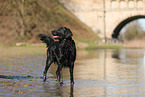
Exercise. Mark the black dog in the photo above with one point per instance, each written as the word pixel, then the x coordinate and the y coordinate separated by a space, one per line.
pixel 63 52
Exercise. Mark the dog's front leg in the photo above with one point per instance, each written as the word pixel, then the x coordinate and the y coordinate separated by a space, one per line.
pixel 59 74
pixel 48 63
pixel 71 73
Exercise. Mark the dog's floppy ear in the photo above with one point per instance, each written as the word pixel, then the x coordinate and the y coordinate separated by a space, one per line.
pixel 68 33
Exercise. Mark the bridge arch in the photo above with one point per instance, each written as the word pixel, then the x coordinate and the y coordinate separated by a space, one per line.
pixel 118 28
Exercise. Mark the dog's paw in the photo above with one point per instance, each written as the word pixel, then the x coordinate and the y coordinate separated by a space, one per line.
pixel 44 78
pixel 61 83
pixel 72 83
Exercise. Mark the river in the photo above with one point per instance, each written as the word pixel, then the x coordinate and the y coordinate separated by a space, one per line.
pixel 97 73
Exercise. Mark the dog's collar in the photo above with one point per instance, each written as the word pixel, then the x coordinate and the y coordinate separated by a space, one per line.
pixel 69 44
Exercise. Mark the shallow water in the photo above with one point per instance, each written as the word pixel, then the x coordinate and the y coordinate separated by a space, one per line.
pixel 97 73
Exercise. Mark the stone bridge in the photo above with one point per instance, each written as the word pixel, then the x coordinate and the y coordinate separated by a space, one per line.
pixel 106 17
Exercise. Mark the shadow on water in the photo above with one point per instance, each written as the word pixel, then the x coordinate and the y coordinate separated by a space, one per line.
pixel 23 77
pixel 16 77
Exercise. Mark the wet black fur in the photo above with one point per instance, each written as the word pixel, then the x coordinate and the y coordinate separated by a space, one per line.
pixel 62 52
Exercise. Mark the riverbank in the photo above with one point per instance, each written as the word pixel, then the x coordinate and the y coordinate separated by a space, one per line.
pixel 135 44
pixel 43 19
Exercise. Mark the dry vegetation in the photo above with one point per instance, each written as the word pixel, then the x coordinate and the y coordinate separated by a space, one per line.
pixel 135 44
pixel 134 35
pixel 22 20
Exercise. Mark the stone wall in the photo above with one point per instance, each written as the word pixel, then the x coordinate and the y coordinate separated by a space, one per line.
pixel 91 12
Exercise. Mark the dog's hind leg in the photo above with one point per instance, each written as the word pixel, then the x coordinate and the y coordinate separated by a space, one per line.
pixel 48 63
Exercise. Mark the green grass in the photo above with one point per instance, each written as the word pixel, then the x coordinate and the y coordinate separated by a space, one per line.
pixel 1 45
pixel 92 45
pixel 17 51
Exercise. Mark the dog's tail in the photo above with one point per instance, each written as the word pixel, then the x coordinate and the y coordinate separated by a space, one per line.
pixel 46 39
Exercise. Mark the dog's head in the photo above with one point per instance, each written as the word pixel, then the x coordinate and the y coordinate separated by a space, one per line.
pixel 62 33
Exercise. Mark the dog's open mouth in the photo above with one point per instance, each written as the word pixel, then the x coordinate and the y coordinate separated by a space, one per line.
pixel 56 37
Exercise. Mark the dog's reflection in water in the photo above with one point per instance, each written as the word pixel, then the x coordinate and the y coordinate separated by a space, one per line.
pixel 55 90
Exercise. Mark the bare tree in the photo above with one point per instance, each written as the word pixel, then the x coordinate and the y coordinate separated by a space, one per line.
pixel 24 16
pixel 4 5
pixel 133 31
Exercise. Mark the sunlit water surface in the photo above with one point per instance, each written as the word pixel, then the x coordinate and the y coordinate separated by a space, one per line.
pixel 97 73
